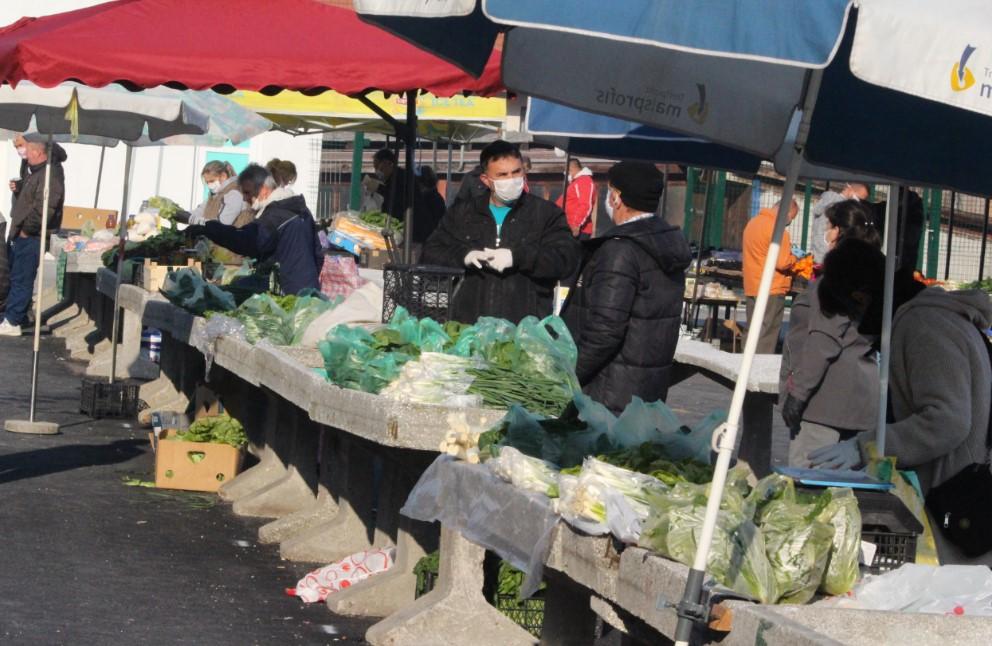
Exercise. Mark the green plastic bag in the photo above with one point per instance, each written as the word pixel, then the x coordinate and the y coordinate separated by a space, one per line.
pixel 187 289
pixel 798 547
pixel 844 516
pixel 352 360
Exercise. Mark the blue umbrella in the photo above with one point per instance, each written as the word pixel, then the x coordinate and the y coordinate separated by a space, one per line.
pixel 584 133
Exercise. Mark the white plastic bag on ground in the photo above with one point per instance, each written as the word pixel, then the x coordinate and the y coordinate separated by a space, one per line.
pixel 944 590
pixel 321 583
pixel 364 305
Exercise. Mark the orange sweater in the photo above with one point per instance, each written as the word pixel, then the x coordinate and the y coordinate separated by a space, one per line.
pixel 757 239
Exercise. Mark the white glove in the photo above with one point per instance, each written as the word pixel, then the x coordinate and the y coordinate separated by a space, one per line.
pixel 499 259
pixel 841 456
pixel 476 258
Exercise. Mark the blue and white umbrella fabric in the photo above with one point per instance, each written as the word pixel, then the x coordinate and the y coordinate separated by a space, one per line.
pixel 587 134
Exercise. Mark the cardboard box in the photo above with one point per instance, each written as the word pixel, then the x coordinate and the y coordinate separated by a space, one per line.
pixel 76 217
pixel 193 466
pixel 346 242
pixel 153 274
pixel 376 259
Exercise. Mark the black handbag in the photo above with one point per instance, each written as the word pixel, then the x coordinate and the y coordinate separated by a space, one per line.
pixel 960 506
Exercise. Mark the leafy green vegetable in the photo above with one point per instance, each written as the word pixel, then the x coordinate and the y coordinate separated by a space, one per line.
pixel 220 429
pixel 378 219
pixel 165 243
pixel 166 207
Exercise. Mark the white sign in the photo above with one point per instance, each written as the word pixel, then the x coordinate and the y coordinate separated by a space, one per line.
pixel 415 8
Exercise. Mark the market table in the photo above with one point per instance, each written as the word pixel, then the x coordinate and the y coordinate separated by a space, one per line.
pixel 711 329
pixel 755 442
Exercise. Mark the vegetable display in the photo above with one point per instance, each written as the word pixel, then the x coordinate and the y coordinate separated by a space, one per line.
pixel 167 242
pixel 378 219
pixel 281 319
pixel 219 429
pixel 166 208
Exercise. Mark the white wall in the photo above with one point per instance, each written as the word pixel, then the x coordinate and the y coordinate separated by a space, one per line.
pixel 181 165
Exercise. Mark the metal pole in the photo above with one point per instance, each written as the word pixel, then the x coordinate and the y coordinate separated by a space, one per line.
pixel 950 236
pixel 122 232
pixel 690 609
pixel 411 188
pixel 891 239
pixel 355 203
pixel 447 182
pixel 664 193
pixel 99 177
pixel 985 240
pixel 691 320
pixel 41 281
pixel 158 174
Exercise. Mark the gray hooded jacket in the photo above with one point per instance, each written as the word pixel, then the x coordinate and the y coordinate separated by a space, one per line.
pixel 940 384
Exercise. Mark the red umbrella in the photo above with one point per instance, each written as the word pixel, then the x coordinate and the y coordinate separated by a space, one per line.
pixel 260 45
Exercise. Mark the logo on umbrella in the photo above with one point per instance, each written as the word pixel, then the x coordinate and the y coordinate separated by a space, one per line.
pixel 961 75
pixel 701 109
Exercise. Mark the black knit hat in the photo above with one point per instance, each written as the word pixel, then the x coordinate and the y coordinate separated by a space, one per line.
pixel 640 184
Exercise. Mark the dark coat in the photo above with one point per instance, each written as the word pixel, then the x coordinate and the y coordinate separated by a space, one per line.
pixel 625 310
pixel 429 209
pixel 285 234
pixel 26 213
pixel 543 248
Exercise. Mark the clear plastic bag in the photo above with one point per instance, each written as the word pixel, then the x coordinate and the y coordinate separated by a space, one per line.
pixel 798 548
pixel 524 472
pixel 435 378
pixel 844 516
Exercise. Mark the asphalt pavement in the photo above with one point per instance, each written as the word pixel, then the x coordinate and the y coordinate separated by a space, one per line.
pixel 85 559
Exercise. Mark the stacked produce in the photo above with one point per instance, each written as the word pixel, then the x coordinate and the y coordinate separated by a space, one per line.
pixel 281 319
pixel 772 542
pixel 165 243
pixel 350 229
pixel 493 362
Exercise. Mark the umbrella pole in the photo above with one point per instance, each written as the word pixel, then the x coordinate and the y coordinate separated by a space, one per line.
pixel 447 182
pixel 690 609
pixel 891 237
pixel 99 177
pixel 411 186
pixel 691 319
pixel 31 426
pixel 122 233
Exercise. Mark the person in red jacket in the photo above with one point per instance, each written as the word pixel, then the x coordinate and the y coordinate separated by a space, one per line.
pixel 579 199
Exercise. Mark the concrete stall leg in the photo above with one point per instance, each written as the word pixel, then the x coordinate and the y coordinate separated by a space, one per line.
pixel 755 442
pixel 164 393
pixel 351 528
pixel 390 591
pixel 297 441
pixel 130 363
pixel 455 612
pixel 258 414
pixel 568 618
pixel 323 508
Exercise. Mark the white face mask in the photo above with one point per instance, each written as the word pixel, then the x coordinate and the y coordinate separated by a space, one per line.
pixel 214 186
pixel 22 152
pixel 609 206
pixel 508 190
pixel 256 204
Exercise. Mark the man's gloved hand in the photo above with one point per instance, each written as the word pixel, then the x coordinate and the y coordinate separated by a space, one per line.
pixel 195 231
pixel 499 259
pixel 476 258
pixel 792 413
pixel 841 456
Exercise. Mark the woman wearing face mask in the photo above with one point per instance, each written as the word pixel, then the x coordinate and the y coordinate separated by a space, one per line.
pixel 225 202
pixel 829 378
pixel 514 246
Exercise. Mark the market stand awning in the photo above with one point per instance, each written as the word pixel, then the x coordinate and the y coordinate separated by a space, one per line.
pixel 457 118
pixel 259 45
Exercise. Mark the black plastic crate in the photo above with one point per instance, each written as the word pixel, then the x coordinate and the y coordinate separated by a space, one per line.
pixel 426 291
pixel 101 399
pixel 892 549
pixel 526 613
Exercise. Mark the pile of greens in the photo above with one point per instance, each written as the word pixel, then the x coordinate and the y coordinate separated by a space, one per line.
pixel 166 208
pixel 281 319
pixel 220 429
pixel 165 243
pixel 983 285
pixel 378 219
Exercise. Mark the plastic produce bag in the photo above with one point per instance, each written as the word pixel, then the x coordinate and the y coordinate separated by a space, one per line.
pixel 525 472
pixel 737 557
pixel 339 276
pixel 305 311
pixel 798 547
pixel 322 582
pixel 187 289
pixel 351 360
pixel 364 305
pixel 844 516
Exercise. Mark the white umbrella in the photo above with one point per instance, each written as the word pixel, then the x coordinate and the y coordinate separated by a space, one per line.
pixel 71 111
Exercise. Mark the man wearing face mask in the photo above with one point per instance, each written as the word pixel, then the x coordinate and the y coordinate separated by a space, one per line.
pixel 624 312
pixel 283 232
pixel 514 245
pixel 819 246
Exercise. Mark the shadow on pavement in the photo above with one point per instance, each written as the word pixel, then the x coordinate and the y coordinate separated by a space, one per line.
pixel 41 462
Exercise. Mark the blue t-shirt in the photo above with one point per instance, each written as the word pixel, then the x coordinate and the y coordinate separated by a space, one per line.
pixel 499 214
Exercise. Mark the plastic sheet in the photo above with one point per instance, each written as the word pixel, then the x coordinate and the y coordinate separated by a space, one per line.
pixel 487 511
pixel 364 305
pixel 216 327
pixel 322 582
pixel 959 590
pixel 524 472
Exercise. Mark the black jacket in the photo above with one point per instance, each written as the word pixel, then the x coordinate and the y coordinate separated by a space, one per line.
pixel 624 312
pixel 26 213
pixel 543 248
pixel 286 234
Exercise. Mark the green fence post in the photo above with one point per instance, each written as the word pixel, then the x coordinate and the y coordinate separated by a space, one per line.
pixel 716 209
pixel 871 192
pixel 355 202
pixel 807 198
pixel 690 202
pixel 933 242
